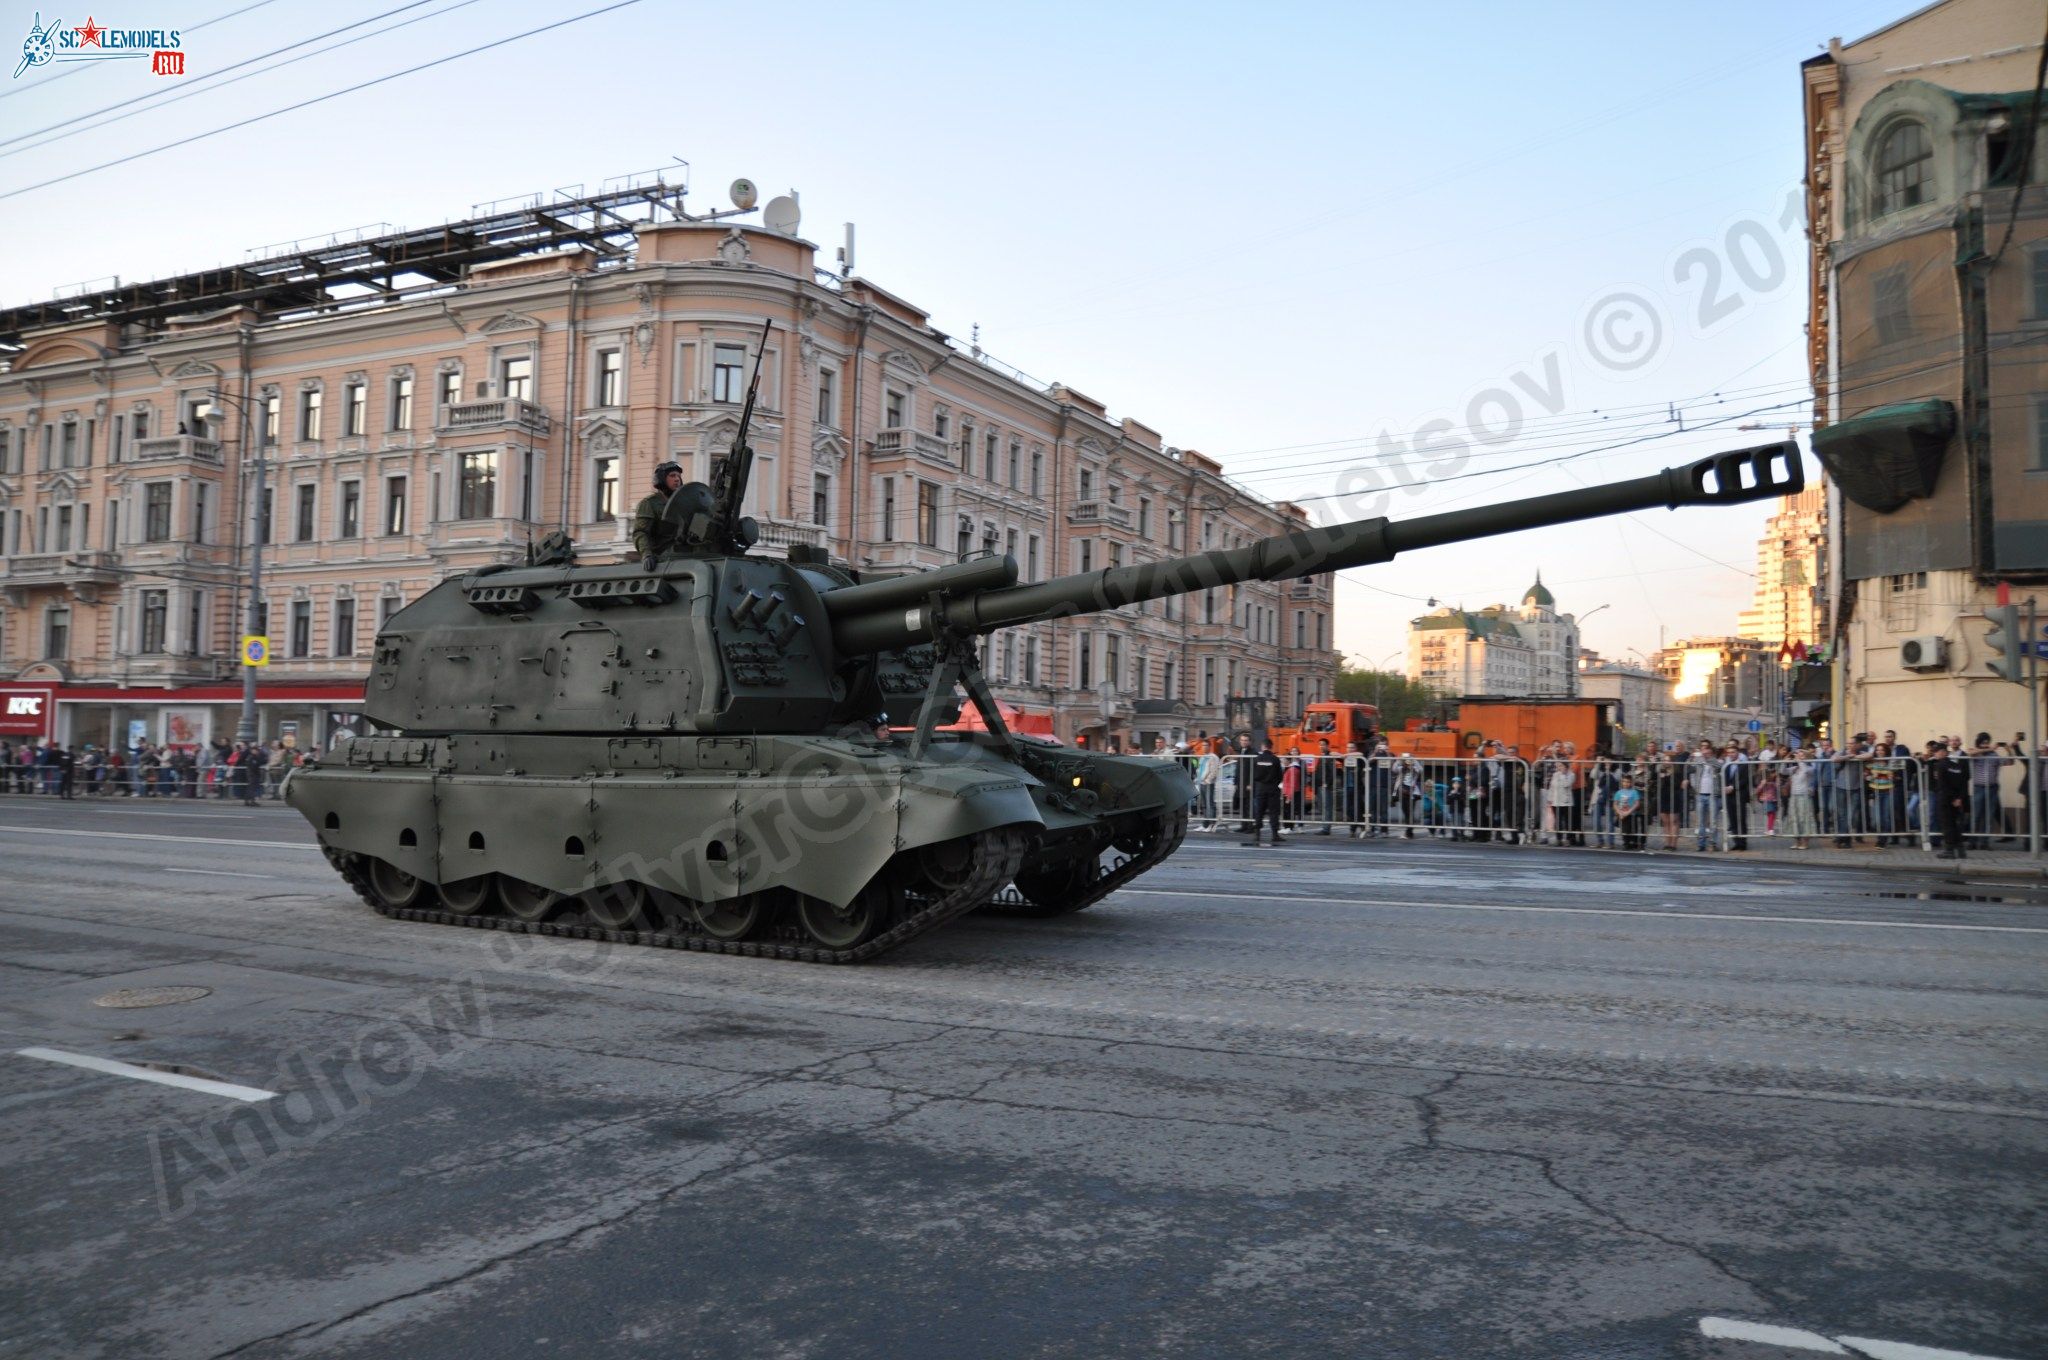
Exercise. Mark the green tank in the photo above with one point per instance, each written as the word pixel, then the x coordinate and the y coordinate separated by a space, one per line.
pixel 696 751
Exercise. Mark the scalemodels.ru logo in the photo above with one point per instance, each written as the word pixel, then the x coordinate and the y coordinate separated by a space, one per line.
pixel 162 47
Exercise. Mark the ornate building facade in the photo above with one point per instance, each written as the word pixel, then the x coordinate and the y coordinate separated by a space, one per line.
pixel 494 394
pixel 1529 650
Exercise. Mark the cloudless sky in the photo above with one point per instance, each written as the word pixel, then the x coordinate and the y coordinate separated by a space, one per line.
pixel 1290 236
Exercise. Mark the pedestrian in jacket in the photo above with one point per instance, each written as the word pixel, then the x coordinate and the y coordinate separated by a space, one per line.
pixel 1267 771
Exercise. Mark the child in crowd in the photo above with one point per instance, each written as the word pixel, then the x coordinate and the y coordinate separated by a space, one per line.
pixel 1767 791
pixel 1628 813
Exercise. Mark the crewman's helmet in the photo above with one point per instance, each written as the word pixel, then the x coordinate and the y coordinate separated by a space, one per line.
pixel 661 475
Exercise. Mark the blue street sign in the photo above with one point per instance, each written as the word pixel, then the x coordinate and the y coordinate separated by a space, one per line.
pixel 1756 724
pixel 2037 648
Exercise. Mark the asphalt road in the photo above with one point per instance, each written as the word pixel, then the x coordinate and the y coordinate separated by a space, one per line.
pixel 1405 1100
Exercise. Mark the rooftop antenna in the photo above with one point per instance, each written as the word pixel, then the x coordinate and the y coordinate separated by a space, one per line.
pixel 976 351
pixel 846 254
pixel 782 215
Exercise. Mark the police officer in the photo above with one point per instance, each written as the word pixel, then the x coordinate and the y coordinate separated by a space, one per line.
pixel 653 532
pixel 1948 784
pixel 1267 771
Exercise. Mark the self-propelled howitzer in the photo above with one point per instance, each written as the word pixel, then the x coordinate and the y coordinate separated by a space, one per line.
pixel 700 755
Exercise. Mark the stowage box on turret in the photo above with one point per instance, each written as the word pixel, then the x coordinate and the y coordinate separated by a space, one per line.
pixel 694 750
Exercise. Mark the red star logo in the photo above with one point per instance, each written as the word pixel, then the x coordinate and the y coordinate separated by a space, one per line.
pixel 89 36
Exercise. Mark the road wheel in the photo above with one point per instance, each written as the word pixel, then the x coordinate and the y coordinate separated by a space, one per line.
pixel 616 906
pixel 1054 891
pixel 853 924
pixel 393 886
pixel 525 901
pixel 468 897
pixel 733 919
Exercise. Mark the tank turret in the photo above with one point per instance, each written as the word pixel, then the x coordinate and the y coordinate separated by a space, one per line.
pixel 695 750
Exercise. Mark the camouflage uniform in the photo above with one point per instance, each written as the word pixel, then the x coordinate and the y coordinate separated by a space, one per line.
pixel 651 532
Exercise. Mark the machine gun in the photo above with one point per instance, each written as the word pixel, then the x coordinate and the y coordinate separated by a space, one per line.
pixel 718 526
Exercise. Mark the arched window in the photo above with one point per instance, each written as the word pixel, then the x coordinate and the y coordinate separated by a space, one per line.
pixel 1902 159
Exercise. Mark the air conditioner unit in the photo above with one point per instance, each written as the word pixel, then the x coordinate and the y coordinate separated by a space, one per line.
pixel 1924 654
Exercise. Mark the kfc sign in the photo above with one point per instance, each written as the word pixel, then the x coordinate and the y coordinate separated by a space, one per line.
pixel 25 711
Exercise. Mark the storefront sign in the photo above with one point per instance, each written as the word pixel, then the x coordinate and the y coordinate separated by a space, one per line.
pixel 26 710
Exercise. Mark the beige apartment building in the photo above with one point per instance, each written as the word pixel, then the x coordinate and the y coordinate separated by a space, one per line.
pixel 1791 564
pixel 1529 650
pixel 1927 196
pixel 430 402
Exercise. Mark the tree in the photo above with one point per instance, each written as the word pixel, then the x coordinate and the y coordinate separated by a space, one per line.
pixel 1398 698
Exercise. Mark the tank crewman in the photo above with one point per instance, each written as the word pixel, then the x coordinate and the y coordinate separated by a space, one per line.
pixel 653 532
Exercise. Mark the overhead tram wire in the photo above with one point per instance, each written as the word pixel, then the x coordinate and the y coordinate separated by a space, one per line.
pixel 317 99
pixel 46 81
pixel 162 98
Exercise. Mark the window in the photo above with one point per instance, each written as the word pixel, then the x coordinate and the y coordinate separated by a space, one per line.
pixel 515 378
pixel 1145 517
pixel 351 510
pixel 401 402
pixel 727 364
pixel 155 605
pixel 605 478
pixel 1084 661
pixel 821 499
pixel 1087 485
pixel 1300 628
pixel 888 509
pixel 892 409
pixel 611 374
pixel 477 496
pixel 302 518
pixel 386 607
pixel 302 628
pixel 272 419
pixel 828 399
pixel 942 425
pixel 1141 677
pixel 1902 162
pixel 928 514
pixel 1031 559
pixel 1087 551
pixel 344 627
pixel 355 410
pixel 156 512
pixel 44 461
pixel 1010 544
pixel 1016 457
pixel 63 528
pixel 1116 556
pixel 1320 621
pixel 202 511
pixel 1905 581
pixel 1112 660
pixel 1037 473
pixel 1031 661
pixel 57 633
pixel 69 445
pixel 1890 304
pixel 194 633
pixel 140 425
pixel 451 389
pixel 113 444
pixel 1168 681
pixel 394 506
pixel 309 413
pixel 991 446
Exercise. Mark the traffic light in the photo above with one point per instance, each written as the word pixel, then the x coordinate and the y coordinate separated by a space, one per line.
pixel 2006 643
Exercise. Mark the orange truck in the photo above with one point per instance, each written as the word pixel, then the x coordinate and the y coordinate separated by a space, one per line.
pixel 1527 724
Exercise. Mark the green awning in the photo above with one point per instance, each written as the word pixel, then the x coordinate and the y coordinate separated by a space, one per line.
pixel 1888 455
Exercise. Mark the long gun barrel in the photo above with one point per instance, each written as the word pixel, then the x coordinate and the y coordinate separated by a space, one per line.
pixel 907 615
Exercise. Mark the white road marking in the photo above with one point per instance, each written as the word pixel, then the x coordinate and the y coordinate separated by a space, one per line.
pixel 1585 911
pixel 218 873
pixel 150 836
pixel 1796 1338
pixel 121 1069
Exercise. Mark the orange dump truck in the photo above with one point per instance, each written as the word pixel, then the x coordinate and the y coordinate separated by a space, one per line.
pixel 1526 724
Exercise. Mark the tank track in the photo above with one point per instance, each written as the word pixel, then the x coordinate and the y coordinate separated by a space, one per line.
pixel 1173 828
pixel 998 855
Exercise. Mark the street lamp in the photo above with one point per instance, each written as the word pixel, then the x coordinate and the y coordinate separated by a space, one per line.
pixel 254 623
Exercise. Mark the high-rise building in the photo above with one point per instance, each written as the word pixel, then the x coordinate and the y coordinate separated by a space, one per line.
pixel 1927 198
pixel 431 401
pixel 1791 560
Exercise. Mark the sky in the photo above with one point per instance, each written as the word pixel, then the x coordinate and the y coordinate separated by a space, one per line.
pixel 1374 259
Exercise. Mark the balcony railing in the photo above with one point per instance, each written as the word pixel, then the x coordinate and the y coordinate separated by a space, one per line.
pixel 171 448
pixel 1099 512
pixel 1309 588
pixel 78 566
pixel 787 534
pixel 495 413
pixel 929 447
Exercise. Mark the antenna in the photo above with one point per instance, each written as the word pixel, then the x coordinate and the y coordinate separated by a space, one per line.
pixel 846 254
pixel 743 194
pixel 781 215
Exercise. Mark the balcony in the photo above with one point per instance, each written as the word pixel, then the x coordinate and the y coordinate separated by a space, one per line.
pixel 1308 588
pixel 916 443
pixel 495 413
pixel 786 534
pixel 189 448
pixel 1097 513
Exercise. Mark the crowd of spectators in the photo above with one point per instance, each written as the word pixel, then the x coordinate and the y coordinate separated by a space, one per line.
pixel 245 771
pixel 1872 791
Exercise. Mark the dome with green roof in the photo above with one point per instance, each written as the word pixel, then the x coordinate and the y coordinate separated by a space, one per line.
pixel 1539 595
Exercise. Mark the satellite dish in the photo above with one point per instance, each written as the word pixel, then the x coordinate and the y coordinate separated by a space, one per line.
pixel 744 194
pixel 781 215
